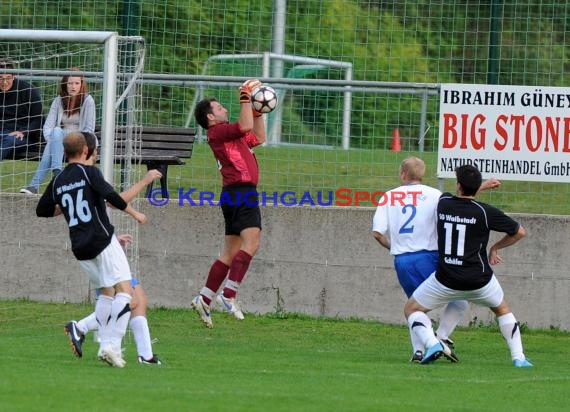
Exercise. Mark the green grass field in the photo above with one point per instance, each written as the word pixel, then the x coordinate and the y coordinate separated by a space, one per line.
pixel 271 363
pixel 313 169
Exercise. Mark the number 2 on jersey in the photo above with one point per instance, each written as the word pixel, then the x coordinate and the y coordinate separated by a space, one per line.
pixel 407 227
pixel 79 207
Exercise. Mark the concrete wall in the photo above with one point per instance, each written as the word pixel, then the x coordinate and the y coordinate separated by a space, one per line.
pixel 318 261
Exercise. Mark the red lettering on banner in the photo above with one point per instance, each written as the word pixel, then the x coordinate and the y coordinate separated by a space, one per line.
pixel 536 133
pixel 478 121
pixel 518 121
pixel 501 132
pixel 552 132
pixel 566 148
pixel 471 128
pixel 449 123
pixel 533 121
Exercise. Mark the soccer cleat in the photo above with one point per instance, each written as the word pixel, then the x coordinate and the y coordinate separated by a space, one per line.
pixel 203 310
pixel 417 357
pixel 29 190
pixel 522 363
pixel 112 357
pixel 448 350
pixel 434 352
pixel 76 338
pixel 447 341
pixel 230 305
pixel 152 361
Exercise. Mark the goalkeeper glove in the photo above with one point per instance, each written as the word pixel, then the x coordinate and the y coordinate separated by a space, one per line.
pixel 246 88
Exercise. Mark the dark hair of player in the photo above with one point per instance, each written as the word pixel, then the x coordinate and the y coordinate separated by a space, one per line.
pixel 469 178
pixel 203 109
pixel 92 143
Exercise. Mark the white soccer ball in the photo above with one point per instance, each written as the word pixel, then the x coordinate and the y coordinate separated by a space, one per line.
pixel 264 99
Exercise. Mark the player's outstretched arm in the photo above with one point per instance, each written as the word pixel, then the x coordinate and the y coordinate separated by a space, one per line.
pixel 138 216
pixel 115 200
pixel 245 120
pixel 259 129
pixel 492 183
pixel 132 192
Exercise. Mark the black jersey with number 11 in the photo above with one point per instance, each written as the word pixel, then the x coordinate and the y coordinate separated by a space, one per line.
pixel 463 227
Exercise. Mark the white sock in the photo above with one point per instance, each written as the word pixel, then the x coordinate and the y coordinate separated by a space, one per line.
pixel 450 318
pixel 120 315
pixel 88 323
pixel 512 333
pixel 207 292
pixel 139 326
pixel 417 344
pixel 420 324
pixel 103 309
pixel 232 285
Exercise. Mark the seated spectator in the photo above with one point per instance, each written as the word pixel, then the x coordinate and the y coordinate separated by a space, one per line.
pixel 72 111
pixel 20 112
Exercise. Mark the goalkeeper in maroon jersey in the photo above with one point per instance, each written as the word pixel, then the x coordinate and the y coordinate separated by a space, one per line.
pixel 232 145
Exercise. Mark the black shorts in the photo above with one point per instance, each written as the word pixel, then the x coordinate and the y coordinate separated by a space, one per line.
pixel 240 206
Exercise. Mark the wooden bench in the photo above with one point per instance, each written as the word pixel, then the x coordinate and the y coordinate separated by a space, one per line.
pixel 160 148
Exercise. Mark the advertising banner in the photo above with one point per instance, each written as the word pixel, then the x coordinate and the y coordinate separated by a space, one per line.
pixel 507 132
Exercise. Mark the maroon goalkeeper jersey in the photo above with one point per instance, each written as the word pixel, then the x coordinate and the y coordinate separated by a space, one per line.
pixel 233 151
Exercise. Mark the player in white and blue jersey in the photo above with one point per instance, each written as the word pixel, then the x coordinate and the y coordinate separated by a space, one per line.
pixel 405 223
pixel 464 267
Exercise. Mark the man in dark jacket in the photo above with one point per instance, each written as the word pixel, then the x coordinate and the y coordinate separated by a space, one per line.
pixel 20 112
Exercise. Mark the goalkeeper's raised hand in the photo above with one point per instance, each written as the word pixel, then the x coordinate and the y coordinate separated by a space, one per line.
pixel 246 88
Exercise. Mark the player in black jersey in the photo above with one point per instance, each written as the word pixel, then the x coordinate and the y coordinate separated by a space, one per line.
pixel 138 323
pixel 464 268
pixel 79 192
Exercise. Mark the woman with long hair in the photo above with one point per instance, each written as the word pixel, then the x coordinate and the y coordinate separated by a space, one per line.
pixel 73 110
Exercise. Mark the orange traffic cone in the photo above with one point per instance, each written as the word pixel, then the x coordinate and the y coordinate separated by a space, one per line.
pixel 396 147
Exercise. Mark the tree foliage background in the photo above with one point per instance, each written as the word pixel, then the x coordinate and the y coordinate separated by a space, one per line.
pixel 418 41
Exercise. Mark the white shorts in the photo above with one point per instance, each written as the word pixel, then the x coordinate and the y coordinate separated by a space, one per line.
pixel 109 267
pixel 431 294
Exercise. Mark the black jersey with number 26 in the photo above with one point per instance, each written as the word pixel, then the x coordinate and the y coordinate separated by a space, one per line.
pixel 463 227
pixel 81 191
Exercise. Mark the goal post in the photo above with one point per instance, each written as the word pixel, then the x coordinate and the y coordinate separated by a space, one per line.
pixel 112 66
pixel 109 39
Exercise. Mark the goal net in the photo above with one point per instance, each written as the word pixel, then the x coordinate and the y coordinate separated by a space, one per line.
pixel 36 253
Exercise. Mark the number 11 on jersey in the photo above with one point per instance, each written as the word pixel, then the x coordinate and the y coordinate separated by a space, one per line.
pixel 460 246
